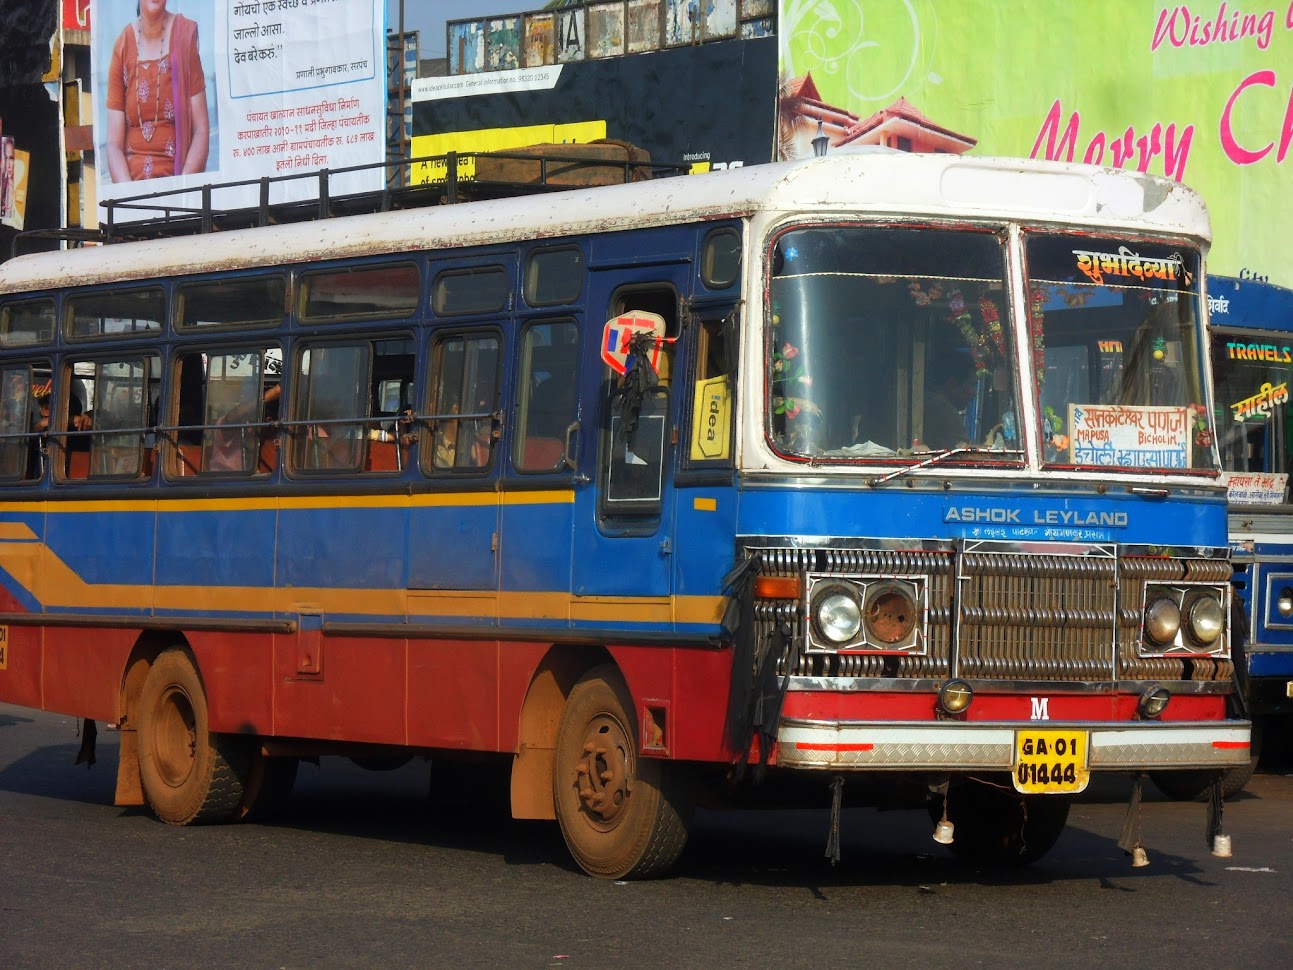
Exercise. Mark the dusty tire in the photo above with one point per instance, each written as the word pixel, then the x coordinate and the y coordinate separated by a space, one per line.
pixel 189 775
pixel 621 816
pixel 269 786
pixel 999 828
pixel 1196 786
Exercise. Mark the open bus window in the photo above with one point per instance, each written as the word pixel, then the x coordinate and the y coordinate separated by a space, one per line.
pixel 104 313
pixel 1119 360
pixel 711 410
pixel 1251 377
pixel 26 322
pixel 113 438
pixel 548 396
pixel 887 342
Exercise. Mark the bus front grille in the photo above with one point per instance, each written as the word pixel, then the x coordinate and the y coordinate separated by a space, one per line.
pixel 995 612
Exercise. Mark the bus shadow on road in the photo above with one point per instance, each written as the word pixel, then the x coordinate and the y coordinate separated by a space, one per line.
pixel 783 847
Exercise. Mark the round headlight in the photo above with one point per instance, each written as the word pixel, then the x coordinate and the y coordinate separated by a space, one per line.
pixel 1162 621
pixel 1154 701
pixel 1205 620
pixel 837 615
pixel 890 614
pixel 955 696
pixel 1285 603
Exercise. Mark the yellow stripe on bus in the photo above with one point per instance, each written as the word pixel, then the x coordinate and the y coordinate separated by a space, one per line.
pixel 54 584
pixel 284 503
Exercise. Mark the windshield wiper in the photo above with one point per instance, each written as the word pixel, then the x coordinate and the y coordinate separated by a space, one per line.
pixel 941 456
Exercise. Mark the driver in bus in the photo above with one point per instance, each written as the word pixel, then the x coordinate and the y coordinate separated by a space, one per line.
pixel 949 388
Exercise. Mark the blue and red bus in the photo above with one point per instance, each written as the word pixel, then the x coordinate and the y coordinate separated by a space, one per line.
pixel 891 471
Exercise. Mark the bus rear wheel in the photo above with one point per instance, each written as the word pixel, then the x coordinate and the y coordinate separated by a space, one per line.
pixel 998 828
pixel 621 815
pixel 190 776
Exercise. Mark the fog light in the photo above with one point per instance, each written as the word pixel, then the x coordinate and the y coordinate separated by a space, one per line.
pixel 955 696
pixel 1162 621
pixel 837 614
pixel 1205 620
pixel 1153 701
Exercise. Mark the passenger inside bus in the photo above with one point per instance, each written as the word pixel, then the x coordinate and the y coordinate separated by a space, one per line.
pixel 949 388
pixel 236 449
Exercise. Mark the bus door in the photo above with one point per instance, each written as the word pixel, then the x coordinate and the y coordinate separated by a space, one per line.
pixel 624 542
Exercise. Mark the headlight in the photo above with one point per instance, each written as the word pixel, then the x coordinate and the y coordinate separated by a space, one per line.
pixel 837 614
pixel 1205 620
pixel 891 613
pixel 1285 602
pixel 1162 621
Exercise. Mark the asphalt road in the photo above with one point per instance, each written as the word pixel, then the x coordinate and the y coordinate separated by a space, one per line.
pixel 362 872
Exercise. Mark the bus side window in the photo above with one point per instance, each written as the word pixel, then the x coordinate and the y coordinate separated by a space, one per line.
pixel 225 403
pixel 330 407
pixel 464 397
pixel 17 420
pixel 548 396
pixel 711 409
pixel 118 425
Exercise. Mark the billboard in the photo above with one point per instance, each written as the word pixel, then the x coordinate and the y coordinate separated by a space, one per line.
pixel 1201 93
pixel 195 92
pixel 708 106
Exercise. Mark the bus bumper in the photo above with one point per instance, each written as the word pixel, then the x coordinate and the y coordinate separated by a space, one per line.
pixel 954 746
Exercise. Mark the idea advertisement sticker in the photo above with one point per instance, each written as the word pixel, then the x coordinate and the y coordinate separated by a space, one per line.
pixel 618 334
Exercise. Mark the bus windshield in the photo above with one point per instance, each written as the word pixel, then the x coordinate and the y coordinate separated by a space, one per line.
pixel 1119 360
pixel 889 342
pixel 1251 372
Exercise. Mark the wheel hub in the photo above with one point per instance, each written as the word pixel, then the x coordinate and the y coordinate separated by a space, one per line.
pixel 605 771
pixel 176 738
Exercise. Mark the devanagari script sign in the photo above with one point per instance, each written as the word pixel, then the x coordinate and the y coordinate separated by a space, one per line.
pixel 1118 436
pixel 287 86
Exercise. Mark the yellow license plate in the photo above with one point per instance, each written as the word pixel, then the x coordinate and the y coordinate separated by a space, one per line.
pixel 1051 762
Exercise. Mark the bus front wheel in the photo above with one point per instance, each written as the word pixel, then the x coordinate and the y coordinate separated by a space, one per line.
pixel 621 815
pixel 189 775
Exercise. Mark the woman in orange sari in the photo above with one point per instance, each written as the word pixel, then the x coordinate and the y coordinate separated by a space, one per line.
pixel 157 100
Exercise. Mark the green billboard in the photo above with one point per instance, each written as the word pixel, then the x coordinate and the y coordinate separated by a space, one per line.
pixel 1202 93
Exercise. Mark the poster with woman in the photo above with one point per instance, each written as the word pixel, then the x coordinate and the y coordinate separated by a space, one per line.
pixel 154 71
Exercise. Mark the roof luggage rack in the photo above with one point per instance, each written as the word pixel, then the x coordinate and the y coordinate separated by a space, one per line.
pixel 409 183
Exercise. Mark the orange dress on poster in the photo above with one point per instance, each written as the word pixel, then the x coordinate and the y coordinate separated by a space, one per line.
pixel 154 96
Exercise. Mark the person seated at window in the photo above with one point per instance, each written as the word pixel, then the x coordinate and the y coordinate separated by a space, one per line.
pixel 234 449
pixel 331 443
pixel 949 388
pixel 474 433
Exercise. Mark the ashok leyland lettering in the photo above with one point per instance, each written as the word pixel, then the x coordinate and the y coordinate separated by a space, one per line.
pixel 877 471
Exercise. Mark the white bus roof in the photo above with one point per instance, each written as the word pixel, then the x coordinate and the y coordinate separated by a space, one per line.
pixel 953 186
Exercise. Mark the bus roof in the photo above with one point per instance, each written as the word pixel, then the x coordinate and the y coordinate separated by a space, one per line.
pixel 877 182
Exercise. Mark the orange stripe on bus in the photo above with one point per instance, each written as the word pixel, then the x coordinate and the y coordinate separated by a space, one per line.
pixel 1232 744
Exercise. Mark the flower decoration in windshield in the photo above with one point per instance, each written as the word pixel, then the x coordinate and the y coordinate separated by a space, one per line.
pixel 1036 328
pixel 789 379
pixel 1202 433
pixel 992 324
pixel 959 314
